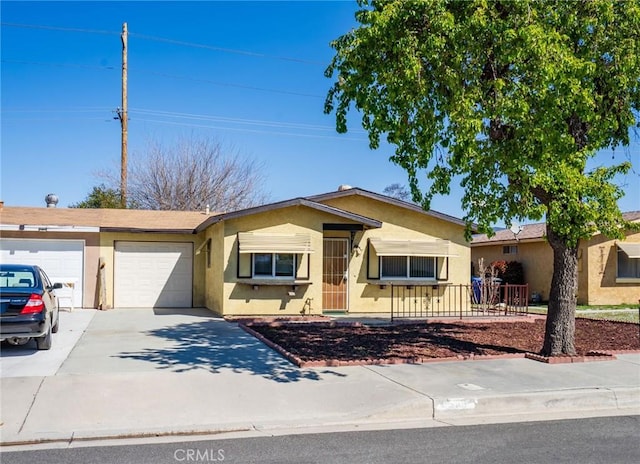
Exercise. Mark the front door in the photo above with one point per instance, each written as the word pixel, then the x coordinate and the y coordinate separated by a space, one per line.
pixel 335 258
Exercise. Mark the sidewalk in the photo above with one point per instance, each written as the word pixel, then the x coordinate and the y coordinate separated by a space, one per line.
pixel 169 399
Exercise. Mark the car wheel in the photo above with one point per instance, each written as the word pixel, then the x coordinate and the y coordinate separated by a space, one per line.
pixel 56 327
pixel 44 342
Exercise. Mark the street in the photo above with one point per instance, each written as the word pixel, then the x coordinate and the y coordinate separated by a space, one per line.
pixel 595 440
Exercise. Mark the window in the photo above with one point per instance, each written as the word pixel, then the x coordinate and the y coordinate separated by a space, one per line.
pixel 18 278
pixel 273 265
pixel 628 268
pixel 408 267
pixel 510 250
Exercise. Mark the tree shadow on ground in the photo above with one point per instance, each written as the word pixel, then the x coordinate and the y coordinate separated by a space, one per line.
pixel 215 346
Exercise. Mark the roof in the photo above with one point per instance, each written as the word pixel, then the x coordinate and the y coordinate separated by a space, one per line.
pixel 131 220
pixel 103 219
pixel 631 216
pixel 530 232
pixel 366 221
pixel 385 199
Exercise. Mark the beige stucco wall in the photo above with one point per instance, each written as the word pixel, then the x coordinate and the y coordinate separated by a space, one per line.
pixel 107 251
pixel 597 269
pixel 602 284
pixel 237 298
pixel 364 295
pixel 536 258
pixel 214 274
pixel 91 253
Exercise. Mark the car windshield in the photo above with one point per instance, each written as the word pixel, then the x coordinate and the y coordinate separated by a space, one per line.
pixel 17 278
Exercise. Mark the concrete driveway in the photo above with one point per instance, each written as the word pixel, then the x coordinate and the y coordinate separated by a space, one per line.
pixel 145 340
pixel 28 361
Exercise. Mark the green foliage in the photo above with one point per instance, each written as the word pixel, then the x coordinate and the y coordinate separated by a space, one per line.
pixel 101 196
pixel 513 97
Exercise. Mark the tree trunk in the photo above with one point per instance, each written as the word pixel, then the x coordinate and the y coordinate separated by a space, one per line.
pixel 561 315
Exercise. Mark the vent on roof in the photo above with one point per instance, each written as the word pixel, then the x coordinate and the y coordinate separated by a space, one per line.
pixel 344 187
pixel 52 200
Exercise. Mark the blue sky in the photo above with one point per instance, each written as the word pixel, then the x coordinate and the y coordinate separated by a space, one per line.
pixel 247 74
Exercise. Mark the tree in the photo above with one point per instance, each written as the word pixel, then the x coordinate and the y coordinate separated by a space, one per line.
pixel 397 191
pixel 192 174
pixel 100 197
pixel 513 98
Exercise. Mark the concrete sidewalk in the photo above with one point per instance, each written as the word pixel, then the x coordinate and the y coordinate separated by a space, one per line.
pixel 141 390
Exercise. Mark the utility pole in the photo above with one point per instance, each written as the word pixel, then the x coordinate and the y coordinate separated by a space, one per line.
pixel 124 119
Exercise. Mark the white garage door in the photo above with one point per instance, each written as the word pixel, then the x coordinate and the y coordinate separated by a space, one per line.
pixel 62 260
pixel 153 274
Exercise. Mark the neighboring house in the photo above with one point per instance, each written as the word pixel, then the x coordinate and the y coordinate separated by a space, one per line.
pixel 608 270
pixel 333 252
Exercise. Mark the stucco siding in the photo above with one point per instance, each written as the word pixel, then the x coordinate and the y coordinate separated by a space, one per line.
pixel 603 285
pixel 366 294
pixel 536 259
pixel 107 245
pixel 214 274
pixel 239 295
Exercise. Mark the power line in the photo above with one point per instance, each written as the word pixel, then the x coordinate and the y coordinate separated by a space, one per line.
pixel 224 84
pixel 54 119
pixel 168 76
pixel 169 41
pixel 59 28
pixel 57 110
pixel 59 65
pixel 256 131
pixel 226 50
pixel 189 116
pixel 257 122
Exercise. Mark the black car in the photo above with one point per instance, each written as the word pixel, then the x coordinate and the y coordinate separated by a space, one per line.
pixel 28 305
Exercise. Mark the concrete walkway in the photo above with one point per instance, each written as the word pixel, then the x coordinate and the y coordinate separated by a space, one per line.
pixel 140 373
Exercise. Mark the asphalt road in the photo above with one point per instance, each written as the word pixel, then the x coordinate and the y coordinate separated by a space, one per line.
pixel 605 440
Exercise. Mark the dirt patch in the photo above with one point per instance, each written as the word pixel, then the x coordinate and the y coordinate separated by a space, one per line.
pixel 320 341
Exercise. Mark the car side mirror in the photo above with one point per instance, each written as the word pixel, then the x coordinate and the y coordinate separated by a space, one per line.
pixel 56 285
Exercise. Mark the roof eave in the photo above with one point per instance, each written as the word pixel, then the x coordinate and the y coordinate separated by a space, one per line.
pixel 148 231
pixel 369 222
pixel 389 200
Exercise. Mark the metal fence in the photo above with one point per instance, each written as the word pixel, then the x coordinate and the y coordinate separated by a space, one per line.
pixel 475 300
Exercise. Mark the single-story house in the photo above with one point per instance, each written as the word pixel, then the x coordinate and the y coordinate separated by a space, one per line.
pixel 608 270
pixel 337 251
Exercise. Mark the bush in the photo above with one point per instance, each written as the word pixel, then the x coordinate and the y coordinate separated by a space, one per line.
pixel 511 272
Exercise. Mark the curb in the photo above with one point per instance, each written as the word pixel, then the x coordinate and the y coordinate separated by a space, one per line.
pixel 50 438
pixel 422 410
pixel 574 400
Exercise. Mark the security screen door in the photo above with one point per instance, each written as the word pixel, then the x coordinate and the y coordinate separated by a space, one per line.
pixel 335 256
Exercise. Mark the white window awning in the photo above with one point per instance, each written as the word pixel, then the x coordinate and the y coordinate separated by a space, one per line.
pixel 437 248
pixel 250 242
pixel 631 249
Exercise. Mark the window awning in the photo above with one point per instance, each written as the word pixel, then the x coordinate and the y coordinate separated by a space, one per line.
pixel 384 247
pixel 250 242
pixel 631 249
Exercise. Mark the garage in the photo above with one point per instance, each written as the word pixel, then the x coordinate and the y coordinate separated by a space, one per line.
pixel 62 260
pixel 153 274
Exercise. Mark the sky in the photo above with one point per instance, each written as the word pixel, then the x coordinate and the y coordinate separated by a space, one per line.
pixel 249 75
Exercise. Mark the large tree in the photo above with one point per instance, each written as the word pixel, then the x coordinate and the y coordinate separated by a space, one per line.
pixel 191 174
pixel 511 97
